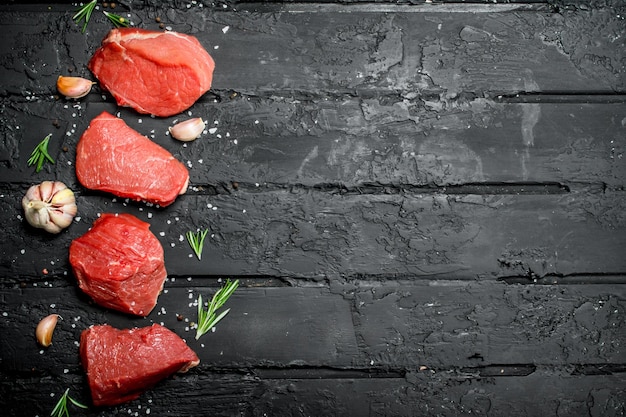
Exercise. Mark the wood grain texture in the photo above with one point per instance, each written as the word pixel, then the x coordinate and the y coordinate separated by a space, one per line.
pixel 351 142
pixel 424 204
pixel 308 234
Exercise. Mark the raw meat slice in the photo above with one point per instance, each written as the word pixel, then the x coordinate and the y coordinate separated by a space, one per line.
pixel 122 364
pixel 112 157
pixel 159 73
pixel 119 263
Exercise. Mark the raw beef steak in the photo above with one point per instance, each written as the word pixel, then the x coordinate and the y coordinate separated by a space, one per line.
pixel 122 364
pixel 119 263
pixel 159 73
pixel 112 157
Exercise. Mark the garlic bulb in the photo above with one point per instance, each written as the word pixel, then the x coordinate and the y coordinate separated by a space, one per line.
pixel 74 87
pixel 188 130
pixel 50 206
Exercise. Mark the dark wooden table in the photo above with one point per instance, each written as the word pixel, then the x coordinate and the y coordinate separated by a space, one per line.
pixel 424 203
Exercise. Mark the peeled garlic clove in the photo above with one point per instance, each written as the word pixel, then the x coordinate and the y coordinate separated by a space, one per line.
pixel 188 130
pixel 45 328
pixel 50 206
pixel 74 87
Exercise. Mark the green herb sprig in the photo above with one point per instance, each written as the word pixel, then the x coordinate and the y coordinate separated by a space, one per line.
pixel 84 12
pixel 207 319
pixel 196 241
pixel 60 409
pixel 40 154
pixel 117 20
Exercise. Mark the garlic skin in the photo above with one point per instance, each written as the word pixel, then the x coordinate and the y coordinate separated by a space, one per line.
pixel 50 206
pixel 188 130
pixel 45 328
pixel 74 87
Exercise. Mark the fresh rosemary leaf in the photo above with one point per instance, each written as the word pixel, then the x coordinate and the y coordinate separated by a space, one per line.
pixel 117 20
pixel 60 410
pixel 40 154
pixel 196 241
pixel 84 12
pixel 207 319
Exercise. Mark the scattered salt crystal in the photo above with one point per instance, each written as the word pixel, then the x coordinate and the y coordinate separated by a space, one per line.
pixel 161 233
pixel 212 130
pixel 149 215
pixel 216 47
pixel 181 238
pixel 23 251
pixel 225 29
pixel 172 244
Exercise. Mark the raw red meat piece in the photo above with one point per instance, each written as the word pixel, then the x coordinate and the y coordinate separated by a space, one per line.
pixel 112 157
pixel 122 364
pixel 120 264
pixel 160 73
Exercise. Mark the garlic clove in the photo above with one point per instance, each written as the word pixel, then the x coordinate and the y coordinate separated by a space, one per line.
pixel 50 206
pixel 188 130
pixel 59 220
pixel 63 197
pixel 45 328
pixel 74 87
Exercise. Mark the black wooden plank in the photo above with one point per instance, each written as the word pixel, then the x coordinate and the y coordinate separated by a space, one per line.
pixel 447 393
pixel 350 142
pixel 305 233
pixel 425 53
pixel 472 324
pixel 387 328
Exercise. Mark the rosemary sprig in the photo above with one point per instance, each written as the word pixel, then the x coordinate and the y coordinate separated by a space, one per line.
pixel 207 319
pixel 117 20
pixel 40 154
pixel 196 241
pixel 60 409
pixel 84 12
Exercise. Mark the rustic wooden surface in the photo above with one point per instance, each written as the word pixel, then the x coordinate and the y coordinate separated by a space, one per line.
pixel 424 203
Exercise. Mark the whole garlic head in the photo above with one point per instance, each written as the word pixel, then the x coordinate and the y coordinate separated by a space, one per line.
pixel 50 206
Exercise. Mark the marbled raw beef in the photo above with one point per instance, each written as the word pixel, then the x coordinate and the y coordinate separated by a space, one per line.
pixel 113 157
pixel 154 72
pixel 122 364
pixel 119 263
